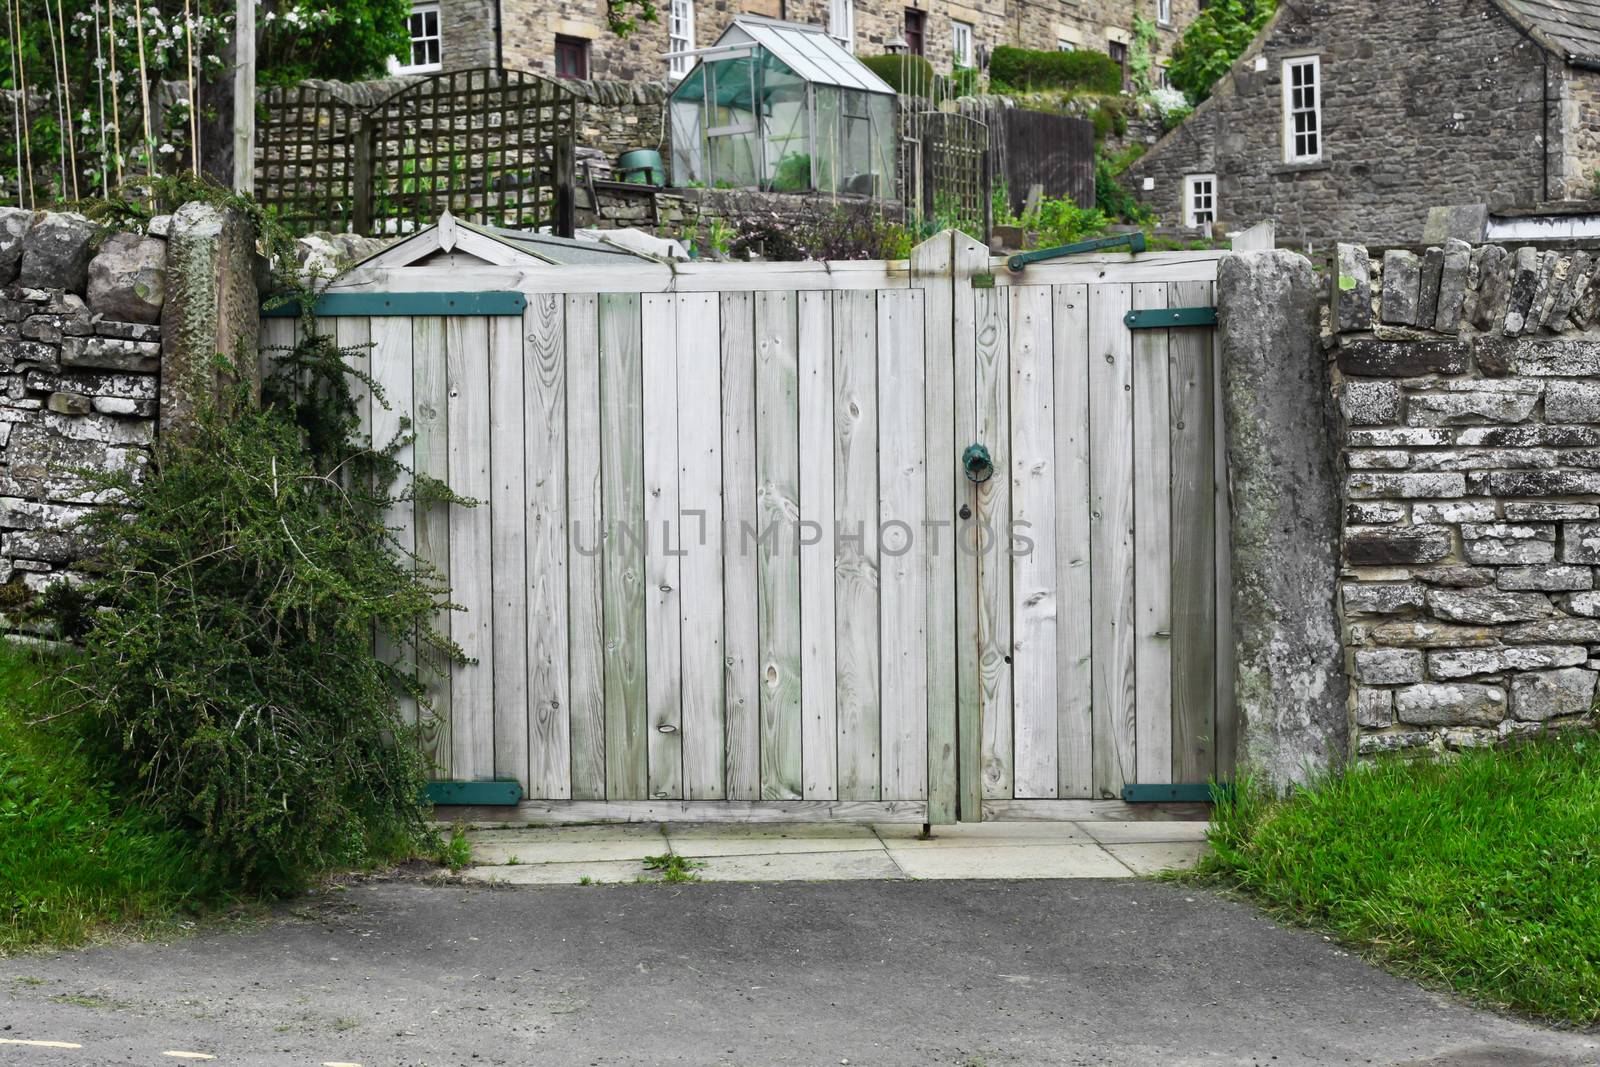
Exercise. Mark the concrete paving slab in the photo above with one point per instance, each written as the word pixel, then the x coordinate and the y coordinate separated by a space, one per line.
pixel 703 840
pixel 558 873
pixel 565 844
pixel 1009 861
pixel 1153 857
pixel 994 834
pixel 1120 832
pixel 801 867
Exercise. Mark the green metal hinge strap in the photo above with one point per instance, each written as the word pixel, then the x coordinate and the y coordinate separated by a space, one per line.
pixel 499 791
pixel 1179 793
pixel 1170 318
pixel 1134 242
pixel 378 305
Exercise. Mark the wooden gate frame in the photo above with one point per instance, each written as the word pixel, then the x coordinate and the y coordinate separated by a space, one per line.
pixel 951 269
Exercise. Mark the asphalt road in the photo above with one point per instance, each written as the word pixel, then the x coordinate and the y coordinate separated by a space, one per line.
pixel 918 973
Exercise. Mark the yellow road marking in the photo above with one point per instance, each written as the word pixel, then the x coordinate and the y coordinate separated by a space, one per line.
pixel 180 1055
pixel 38 1044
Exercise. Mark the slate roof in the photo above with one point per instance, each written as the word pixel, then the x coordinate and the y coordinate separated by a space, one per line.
pixel 1569 28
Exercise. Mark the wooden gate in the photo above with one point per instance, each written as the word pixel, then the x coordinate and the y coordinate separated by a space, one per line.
pixel 727 562
pixel 1097 654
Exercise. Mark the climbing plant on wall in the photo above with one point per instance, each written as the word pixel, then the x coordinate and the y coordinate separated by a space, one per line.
pixel 1217 37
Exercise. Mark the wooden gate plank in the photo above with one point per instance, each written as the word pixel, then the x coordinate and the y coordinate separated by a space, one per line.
pixel 1194 577
pixel 994 545
pixel 508 516
pixel 969 258
pixel 1226 709
pixel 855 457
pixel 902 566
pixel 1152 544
pixel 1033 570
pixel 623 566
pixel 931 275
pixel 1111 534
pixel 741 682
pixel 391 367
pixel 663 604
pixel 471 556
pixel 585 574
pixel 1074 681
pixel 700 496
pixel 549 623
pixel 819 734
pixel 432 525
pixel 778 571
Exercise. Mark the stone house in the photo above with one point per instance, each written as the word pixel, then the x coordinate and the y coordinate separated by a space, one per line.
pixel 570 38
pixel 1349 119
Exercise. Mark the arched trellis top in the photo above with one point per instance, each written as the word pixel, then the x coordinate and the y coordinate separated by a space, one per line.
pixel 489 145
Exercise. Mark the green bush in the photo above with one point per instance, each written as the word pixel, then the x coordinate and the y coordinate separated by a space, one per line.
pixel 911 75
pixel 1025 69
pixel 232 662
pixel 1112 199
pixel 1480 873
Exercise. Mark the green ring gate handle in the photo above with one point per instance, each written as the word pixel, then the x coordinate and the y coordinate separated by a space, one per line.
pixel 978 464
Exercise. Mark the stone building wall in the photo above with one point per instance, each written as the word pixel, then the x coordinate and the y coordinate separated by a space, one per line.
pixel 1423 104
pixel 80 355
pixel 1580 135
pixel 529 28
pixel 1468 385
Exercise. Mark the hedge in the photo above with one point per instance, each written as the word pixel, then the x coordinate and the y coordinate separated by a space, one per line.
pixel 912 75
pixel 1024 69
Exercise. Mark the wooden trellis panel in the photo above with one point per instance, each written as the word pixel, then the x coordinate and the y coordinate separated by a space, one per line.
pixel 305 158
pixel 483 143
pixel 489 145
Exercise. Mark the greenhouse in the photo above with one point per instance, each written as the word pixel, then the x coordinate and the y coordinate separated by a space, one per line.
pixel 782 107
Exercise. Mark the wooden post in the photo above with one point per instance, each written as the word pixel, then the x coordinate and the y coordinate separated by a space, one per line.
pixel 988 199
pixel 566 206
pixel 365 136
pixel 244 97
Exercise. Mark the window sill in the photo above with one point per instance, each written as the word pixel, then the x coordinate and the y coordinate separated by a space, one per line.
pixel 1298 168
pixel 428 68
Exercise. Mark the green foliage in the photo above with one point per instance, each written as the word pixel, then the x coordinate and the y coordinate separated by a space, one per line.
pixel 1141 55
pixel 793 173
pixel 1214 40
pixel 1480 874
pixel 1115 201
pixel 911 75
pixel 1024 69
pixel 964 81
pixel 673 867
pixel 76 854
pixel 232 662
pixel 1060 221
pixel 624 16
pixel 347 41
pixel 455 852
pixel 849 231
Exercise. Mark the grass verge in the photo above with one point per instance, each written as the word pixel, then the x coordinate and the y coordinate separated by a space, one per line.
pixel 75 856
pixel 1480 874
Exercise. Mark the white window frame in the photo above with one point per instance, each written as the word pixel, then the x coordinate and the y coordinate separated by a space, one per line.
pixel 437 37
pixel 1191 200
pixel 842 23
pixel 1164 12
pixel 1295 110
pixel 1064 45
pixel 962 51
pixel 680 37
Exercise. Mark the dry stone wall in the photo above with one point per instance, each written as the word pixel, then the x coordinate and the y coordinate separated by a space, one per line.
pixel 1468 386
pixel 80 348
